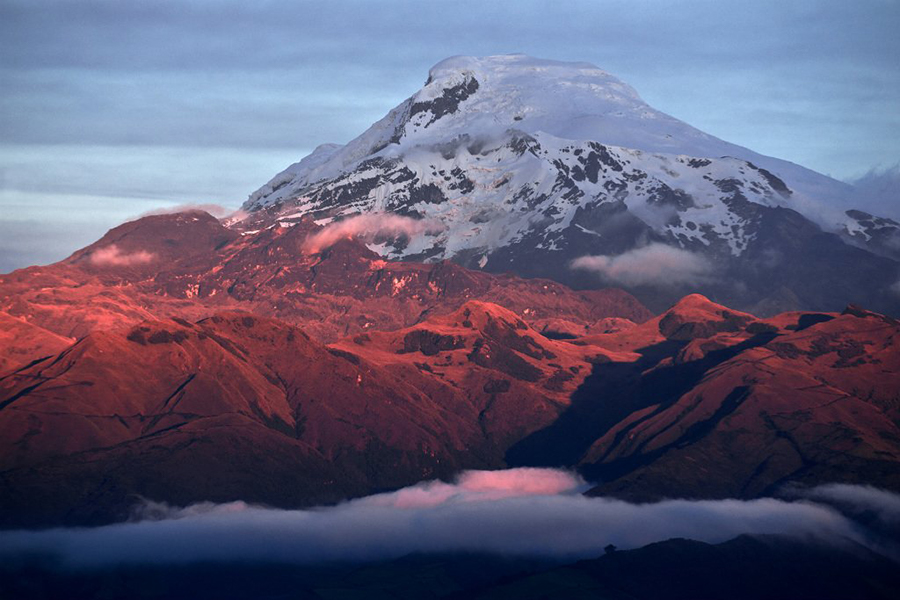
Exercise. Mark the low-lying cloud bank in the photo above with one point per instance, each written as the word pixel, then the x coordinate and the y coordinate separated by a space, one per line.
pixel 367 227
pixel 519 512
pixel 112 256
pixel 654 264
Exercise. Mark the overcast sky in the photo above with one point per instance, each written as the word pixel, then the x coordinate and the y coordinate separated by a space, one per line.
pixel 111 108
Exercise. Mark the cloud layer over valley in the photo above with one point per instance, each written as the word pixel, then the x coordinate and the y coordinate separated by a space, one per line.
pixel 520 512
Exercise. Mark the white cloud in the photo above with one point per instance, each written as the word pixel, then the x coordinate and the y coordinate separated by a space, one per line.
pixel 654 264
pixel 367 227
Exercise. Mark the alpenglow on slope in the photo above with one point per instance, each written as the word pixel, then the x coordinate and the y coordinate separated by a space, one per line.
pixel 560 170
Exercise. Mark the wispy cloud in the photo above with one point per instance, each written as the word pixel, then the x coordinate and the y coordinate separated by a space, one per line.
pixel 368 227
pixel 521 512
pixel 654 264
pixel 112 256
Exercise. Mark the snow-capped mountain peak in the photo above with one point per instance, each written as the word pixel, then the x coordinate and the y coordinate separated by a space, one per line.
pixel 493 94
pixel 528 164
pixel 492 98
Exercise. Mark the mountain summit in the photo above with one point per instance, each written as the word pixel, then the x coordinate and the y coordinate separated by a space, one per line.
pixel 497 97
pixel 560 170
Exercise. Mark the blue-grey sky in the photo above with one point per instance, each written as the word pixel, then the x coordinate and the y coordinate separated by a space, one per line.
pixel 110 108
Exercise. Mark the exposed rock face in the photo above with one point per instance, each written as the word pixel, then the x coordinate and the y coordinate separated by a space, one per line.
pixel 877 234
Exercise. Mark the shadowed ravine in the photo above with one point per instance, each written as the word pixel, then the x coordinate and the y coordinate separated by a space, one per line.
pixel 615 390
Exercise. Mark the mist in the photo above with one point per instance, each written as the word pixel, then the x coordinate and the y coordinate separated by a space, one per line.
pixel 539 513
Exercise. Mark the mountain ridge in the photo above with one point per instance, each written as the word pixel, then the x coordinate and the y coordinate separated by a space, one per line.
pixel 804 397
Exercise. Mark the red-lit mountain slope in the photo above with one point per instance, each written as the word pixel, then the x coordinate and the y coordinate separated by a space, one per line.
pixel 190 265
